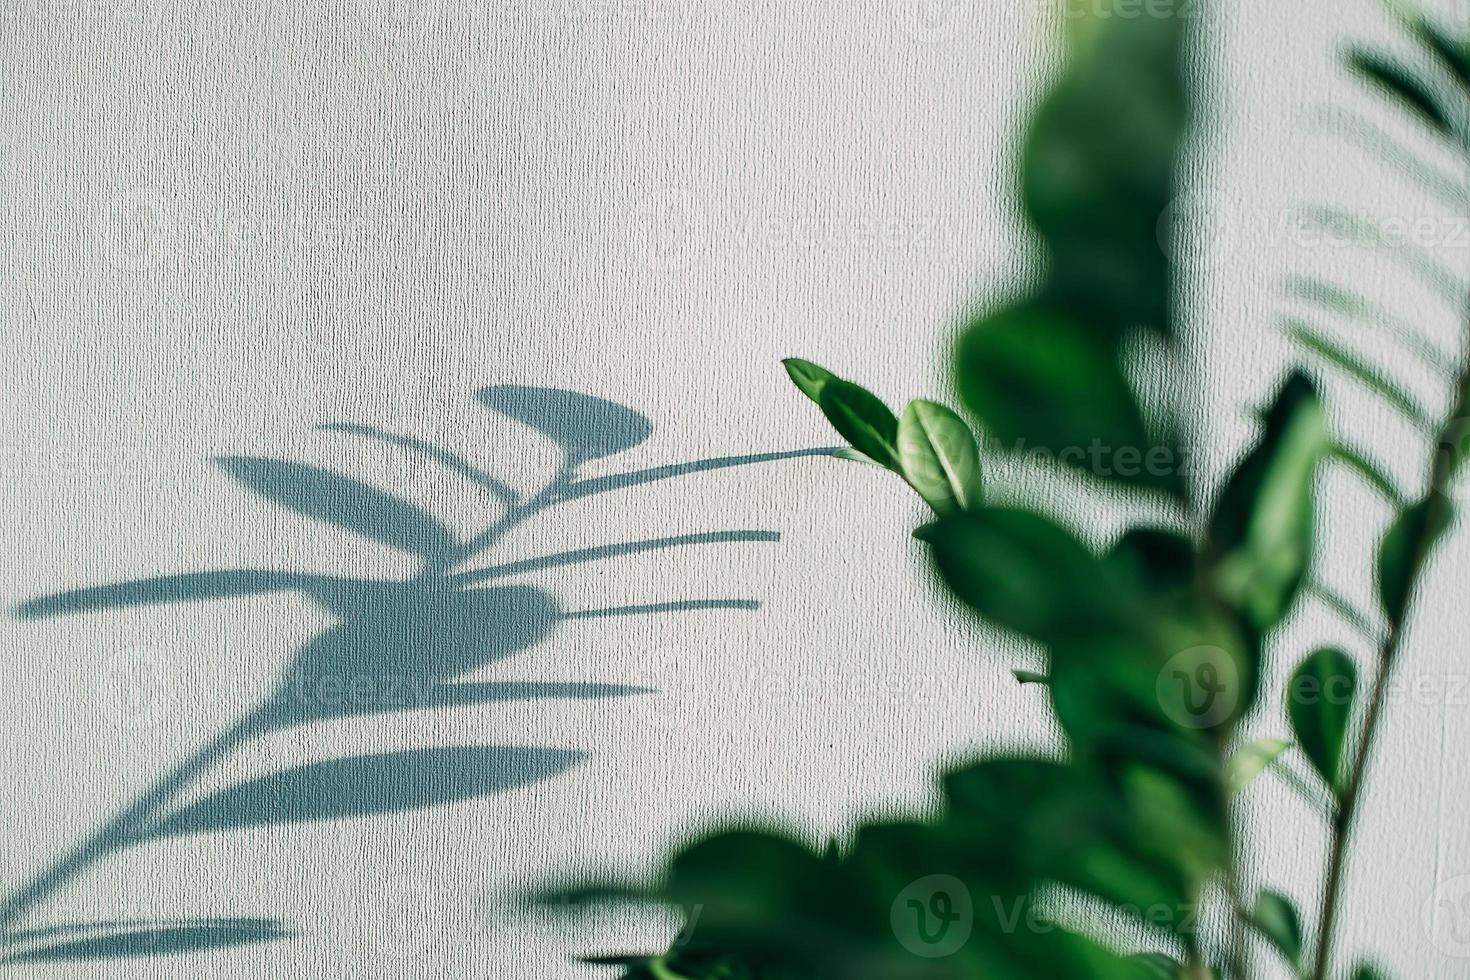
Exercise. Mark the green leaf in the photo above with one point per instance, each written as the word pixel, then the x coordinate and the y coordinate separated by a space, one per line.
pixel 1276 917
pixel 1248 763
pixel 809 377
pixel 1157 966
pixel 1023 572
pixel 1453 55
pixel 1031 677
pixel 861 418
pixel 1362 372
pixel 1319 704
pixel 1365 971
pixel 1099 169
pixel 1047 384
pixel 1260 536
pixel 1409 539
pixel 937 452
pixel 1396 81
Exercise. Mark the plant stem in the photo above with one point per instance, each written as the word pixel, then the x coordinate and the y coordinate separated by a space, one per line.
pixel 1436 513
pixel 130 824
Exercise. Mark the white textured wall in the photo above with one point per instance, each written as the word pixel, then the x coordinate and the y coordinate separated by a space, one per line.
pixel 228 223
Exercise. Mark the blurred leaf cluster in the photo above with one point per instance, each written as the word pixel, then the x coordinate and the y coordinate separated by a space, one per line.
pixel 1155 646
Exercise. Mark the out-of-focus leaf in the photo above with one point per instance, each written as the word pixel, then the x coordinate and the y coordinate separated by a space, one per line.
pixel 1365 971
pixel 1157 966
pixel 1319 704
pixel 1098 172
pixel 938 456
pixel 1250 761
pixel 343 502
pixel 1046 384
pixel 861 418
pixel 1397 81
pixel 810 378
pixel 1276 917
pixel 1452 54
pixel 1361 371
pixel 1030 677
pixel 1411 537
pixel 586 427
pixel 1260 536
pixel 1023 572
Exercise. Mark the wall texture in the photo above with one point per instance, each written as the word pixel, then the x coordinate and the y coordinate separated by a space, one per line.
pixel 228 225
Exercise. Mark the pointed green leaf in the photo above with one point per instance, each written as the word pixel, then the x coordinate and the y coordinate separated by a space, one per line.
pixel 1319 704
pixel 1276 917
pixel 1260 537
pixel 809 377
pixel 861 418
pixel 1249 762
pixel 1030 677
pixel 939 458
pixel 1362 372
pixel 1396 81
pixel 1409 540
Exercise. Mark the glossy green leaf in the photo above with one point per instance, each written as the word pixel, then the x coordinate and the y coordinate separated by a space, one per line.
pixel 1319 705
pixel 1047 385
pixel 938 456
pixel 1409 540
pixel 810 378
pixel 1261 534
pixel 1276 917
pixel 1250 761
pixel 1398 82
pixel 862 419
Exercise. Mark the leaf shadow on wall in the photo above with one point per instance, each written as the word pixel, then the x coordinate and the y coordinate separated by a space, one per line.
pixel 395 645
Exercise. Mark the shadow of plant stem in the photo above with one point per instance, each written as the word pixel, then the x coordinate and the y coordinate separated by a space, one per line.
pixel 413 636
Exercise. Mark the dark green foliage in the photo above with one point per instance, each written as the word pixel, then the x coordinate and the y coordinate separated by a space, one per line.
pixel 1276 918
pixel 1154 647
pixel 1319 704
